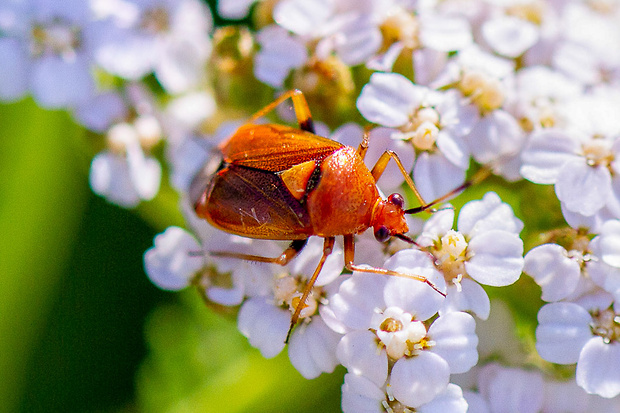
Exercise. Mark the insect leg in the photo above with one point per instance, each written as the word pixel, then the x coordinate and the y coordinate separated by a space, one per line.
pixel 382 163
pixel 328 247
pixel 479 176
pixel 288 254
pixel 349 255
pixel 302 110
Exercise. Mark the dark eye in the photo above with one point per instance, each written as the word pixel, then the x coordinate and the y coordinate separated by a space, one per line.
pixel 382 234
pixel 397 199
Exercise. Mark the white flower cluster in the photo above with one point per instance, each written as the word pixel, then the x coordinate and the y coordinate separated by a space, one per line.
pixel 527 88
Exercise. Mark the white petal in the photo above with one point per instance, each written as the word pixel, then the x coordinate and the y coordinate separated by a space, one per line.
pixel 265 325
pixel 101 111
pixel 437 226
pixel 226 296
pixel 455 340
pixel 383 62
pixel 475 402
pixel 109 177
pixel 445 33
pixel 547 151
pixel 359 353
pixel 609 243
pixel 436 176
pixel 418 380
pixel 496 135
pixel 181 63
pixel 14 68
pixel 577 220
pixel 234 9
pixel 453 148
pixel 279 54
pixel 145 172
pixel 553 270
pixel 563 329
pixel 58 83
pixel 497 258
pixel 413 296
pixel 173 260
pixel 597 368
pixel 509 36
pixel 302 17
pixel 565 397
pixel 490 213
pixel 388 99
pixel 469 297
pixel 359 38
pixel 126 53
pixel 312 348
pixel 514 390
pixel 583 188
pixel 357 298
pixel 450 400
pixel 360 395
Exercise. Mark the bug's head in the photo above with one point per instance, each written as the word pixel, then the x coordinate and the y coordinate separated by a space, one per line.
pixel 389 218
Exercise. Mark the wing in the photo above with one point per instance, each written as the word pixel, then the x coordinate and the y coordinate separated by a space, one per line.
pixel 275 147
pixel 253 203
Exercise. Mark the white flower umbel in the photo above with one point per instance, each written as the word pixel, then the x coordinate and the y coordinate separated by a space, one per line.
pixel 587 334
pixel 485 249
pixel 434 122
pixel 580 159
pixel 389 340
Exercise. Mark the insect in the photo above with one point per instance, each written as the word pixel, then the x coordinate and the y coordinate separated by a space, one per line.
pixel 282 183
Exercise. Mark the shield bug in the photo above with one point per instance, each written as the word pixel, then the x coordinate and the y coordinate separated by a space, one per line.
pixel 283 183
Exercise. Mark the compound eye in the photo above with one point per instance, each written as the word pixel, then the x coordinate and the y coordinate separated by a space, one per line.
pixel 382 233
pixel 397 199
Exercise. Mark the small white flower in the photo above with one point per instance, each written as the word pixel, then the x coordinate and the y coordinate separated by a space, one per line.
pixel 174 260
pixel 570 333
pixel 485 249
pixel 578 159
pixel 509 36
pixel 48 51
pixel 168 38
pixel 360 395
pixel 553 268
pixel 434 122
pixel 385 321
pixel 125 174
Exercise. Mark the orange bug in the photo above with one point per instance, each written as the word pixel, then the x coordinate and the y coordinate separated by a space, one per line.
pixel 281 183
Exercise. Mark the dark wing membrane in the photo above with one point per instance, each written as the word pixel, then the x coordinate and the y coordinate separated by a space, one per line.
pixel 275 147
pixel 255 204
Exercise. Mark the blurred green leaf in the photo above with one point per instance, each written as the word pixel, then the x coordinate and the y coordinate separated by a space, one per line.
pixel 199 362
pixel 41 199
